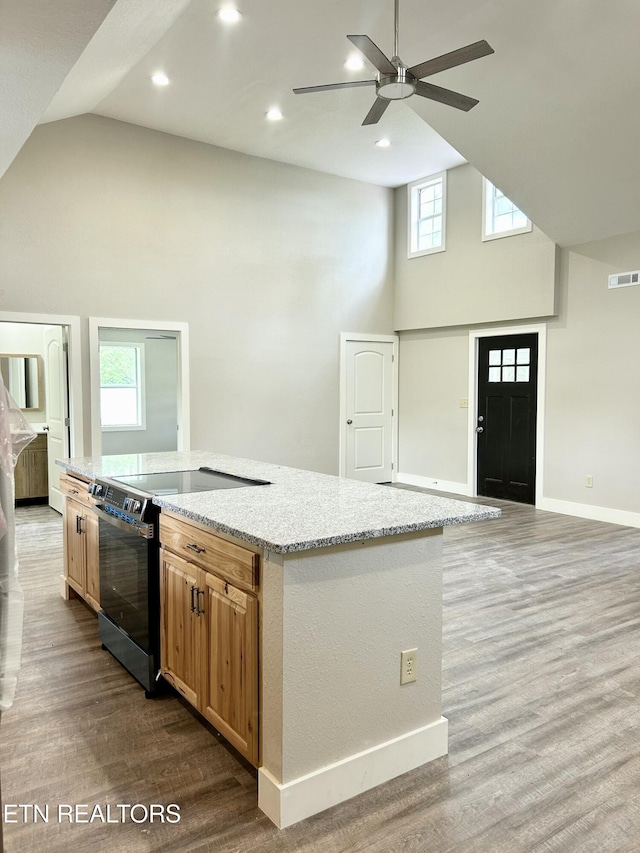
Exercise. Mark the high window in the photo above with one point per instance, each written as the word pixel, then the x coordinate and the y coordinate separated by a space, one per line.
pixel 500 216
pixel 427 215
pixel 121 386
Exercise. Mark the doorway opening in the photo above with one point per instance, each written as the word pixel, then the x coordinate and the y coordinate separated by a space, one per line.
pixel 48 346
pixel 139 386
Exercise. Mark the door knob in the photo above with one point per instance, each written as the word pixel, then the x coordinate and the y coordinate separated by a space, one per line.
pixel 349 421
pixel 45 429
pixel 480 418
pixel 479 429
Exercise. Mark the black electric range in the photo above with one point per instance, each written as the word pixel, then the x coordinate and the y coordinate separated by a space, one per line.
pixel 129 618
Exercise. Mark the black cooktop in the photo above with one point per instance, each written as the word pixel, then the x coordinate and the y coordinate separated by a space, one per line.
pixel 183 482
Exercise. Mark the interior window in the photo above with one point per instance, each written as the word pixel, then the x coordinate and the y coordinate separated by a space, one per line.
pixel 427 215
pixel 121 379
pixel 500 216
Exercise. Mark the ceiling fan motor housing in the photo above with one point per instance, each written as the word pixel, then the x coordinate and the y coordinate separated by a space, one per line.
pixel 396 87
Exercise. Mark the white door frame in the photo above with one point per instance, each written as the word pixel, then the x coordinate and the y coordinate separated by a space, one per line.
pixel 184 411
pixel 342 429
pixel 472 454
pixel 74 362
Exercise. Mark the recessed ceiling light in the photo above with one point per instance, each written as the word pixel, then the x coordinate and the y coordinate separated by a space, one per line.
pixel 354 63
pixel 229 14
pixel 160 78
pixel 274 114
pixel 383 143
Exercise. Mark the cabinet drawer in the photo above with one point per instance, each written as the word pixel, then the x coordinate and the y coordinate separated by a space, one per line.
pixel 231 562
pixel 76 489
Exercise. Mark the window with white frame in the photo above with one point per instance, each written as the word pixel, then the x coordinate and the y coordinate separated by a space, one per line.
pixel 121 386
pixel 427 215
pixel 500 216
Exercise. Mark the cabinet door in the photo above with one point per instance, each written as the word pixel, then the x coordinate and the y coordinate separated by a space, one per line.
pixel 74 550
pixel 180 626
pixel 90 528
pixel 39 472
pixel 21 474
pixel 229 684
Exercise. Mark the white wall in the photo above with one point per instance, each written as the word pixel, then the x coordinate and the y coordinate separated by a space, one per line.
pixel 593 380
pixel 267 263
pixel 510 278
pixel 433 429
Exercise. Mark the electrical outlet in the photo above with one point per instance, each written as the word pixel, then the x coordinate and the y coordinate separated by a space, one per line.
pixel 408 666
pixel 588 481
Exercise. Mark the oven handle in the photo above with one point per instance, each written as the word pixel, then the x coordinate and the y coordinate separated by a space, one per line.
pixel 142 529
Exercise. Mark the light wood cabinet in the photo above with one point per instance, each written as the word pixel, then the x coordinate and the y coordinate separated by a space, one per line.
pixel 229 679
pixel 209 628
pixel 32 471
pixel 81 548
pixel 180 626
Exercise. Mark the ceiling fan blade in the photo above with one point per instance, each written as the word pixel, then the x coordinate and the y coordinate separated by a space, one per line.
pixel 450 60
pixel 350 85
pixel 375 113
pixel 373 53
pixel 446 96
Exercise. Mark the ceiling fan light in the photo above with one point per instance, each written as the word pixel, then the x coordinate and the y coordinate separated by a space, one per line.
pixel 395 87
pixel 274 114
pixel 383 143
pixel 229 14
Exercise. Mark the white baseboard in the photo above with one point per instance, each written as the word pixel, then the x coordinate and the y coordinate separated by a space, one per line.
pixel 294 801
pixel 595 513
pixel 436 484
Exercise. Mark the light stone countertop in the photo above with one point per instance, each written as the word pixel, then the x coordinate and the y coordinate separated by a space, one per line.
pixel 298 511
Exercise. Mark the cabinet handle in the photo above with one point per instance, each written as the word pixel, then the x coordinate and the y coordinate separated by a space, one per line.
pixel 78 524
pixel 74 492
pixel 200 611
pixel 192 546
pixel 193 598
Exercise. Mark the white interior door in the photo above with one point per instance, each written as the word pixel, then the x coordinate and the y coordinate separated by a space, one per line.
pixel 369 410
pixel 56 409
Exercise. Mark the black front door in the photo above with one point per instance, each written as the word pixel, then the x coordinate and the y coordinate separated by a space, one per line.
pixel 506 425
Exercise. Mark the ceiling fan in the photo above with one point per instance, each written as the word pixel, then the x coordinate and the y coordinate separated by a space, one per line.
pixel 396 81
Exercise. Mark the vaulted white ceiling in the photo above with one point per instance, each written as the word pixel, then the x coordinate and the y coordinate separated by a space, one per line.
pixel 555 129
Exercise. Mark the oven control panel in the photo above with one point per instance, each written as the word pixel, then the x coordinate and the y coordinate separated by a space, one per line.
pixel 119 503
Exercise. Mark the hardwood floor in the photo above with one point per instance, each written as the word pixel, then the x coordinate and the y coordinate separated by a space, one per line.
pixel 541 677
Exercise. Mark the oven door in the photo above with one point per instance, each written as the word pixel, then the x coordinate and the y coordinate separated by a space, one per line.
pixel 128 566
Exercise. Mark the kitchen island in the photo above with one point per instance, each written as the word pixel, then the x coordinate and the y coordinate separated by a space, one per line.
pixel 350 577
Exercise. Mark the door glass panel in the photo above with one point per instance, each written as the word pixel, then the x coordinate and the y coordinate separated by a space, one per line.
pixel 494 357
pixel 508 374
pixel 508 356
pixel 522 374
pixel 523 355
pixel 494 374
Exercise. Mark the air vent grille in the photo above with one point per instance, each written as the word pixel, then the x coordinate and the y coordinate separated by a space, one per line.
pixel 624 279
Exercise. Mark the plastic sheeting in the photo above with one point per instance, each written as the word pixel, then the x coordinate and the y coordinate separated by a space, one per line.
pixel 15 434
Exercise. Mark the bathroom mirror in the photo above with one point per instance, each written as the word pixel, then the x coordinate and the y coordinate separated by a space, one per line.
pixel 22 376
